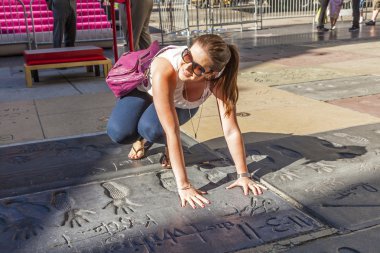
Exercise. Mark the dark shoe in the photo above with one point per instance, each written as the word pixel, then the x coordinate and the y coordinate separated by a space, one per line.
pixel 322 29
pixel 353 29
pixel 371 22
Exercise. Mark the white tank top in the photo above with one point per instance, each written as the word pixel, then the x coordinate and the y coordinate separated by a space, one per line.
pixel 173 55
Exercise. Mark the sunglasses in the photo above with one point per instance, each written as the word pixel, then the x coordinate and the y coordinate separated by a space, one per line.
pixel 198 70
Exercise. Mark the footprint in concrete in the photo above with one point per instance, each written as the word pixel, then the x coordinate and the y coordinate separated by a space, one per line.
pixel 119 195
pixel 168 181
pixel 286 151
pixel 65 204
pixel 355 139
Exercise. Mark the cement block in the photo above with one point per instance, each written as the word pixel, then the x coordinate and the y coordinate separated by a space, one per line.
pixel 334 175
pixel 75 123
pixel 64 162
pixel 75 103
pixel 138 214
pixel 75 115
pixel 288 75
pixel 19 122
pixel 360 241
pixel 365 104
pixel 327 90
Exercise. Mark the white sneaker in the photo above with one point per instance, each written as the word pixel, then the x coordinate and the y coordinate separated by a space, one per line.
pixel 361 20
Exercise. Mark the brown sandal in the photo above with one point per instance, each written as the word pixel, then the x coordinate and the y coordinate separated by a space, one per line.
pixel 144 147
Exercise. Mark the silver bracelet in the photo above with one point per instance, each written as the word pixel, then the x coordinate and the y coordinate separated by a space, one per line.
pixel 245 174
pixel 185 188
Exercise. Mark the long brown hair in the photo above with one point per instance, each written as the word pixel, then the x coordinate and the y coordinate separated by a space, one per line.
pixel 224 56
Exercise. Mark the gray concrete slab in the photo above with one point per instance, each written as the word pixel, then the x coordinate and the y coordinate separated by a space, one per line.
pixel 285 75
pixel 364 104
pixel 19 122
pixel 138 214
pixel 13 87
pixel 85 82
pixel 70 161
pixel 334 175
pixel 272 53
pixel 76 122
pixel 366 240
pixel 75 103
pixel 53 83
pixel 337 88
pixel 291 34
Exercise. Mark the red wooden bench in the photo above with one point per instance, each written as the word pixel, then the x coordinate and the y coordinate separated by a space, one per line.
pixel 86 56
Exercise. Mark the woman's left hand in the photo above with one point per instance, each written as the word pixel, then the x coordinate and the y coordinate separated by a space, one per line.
pixel 248 184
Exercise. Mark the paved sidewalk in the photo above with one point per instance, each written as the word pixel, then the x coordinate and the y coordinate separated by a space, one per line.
pixel 308 109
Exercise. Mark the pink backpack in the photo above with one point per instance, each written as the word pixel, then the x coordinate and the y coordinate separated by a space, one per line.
pixel 132 70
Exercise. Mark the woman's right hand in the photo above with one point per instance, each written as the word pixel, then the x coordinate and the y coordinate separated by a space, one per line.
pixel 192 196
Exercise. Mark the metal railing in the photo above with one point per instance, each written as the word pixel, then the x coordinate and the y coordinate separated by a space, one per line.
pixel 29 21
pixel 178 17
pixel 14 23
pixel 192 16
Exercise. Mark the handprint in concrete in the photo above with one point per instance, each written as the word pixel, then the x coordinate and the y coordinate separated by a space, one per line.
pixel 119 194
pixel 13 218
pixel 73 216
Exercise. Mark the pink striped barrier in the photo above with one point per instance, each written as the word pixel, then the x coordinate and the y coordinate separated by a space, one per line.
pixel 50 20
pixel 43 7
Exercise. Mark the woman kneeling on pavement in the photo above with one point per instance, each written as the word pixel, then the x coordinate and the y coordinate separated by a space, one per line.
pixel 181 79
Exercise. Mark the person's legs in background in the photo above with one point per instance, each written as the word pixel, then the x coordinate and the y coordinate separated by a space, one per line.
pixel 322 15
pixel 140 11
pixel 361 6
pixel 70 28
pixel 59 14
pixel 355 16
pixel 58 29
pixel 375 12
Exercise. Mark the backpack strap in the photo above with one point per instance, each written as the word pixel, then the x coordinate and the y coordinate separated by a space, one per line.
pixel 163 50
pixel 147 72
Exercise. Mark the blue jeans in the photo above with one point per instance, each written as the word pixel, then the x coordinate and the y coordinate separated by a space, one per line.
pixel 135 116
